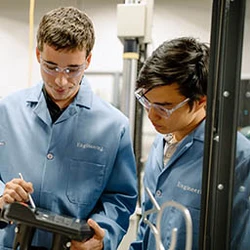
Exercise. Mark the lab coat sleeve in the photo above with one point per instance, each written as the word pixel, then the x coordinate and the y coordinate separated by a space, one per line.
pixel 142 233
pixel 2 185
pixel 241 207
pixel 138 243
pixel 119 198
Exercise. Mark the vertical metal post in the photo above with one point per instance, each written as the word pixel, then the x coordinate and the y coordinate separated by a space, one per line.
pixel 116 90
pixel 129 106
pixel 221 125
pixel 138 131
pixel 134 30
pixel 130 60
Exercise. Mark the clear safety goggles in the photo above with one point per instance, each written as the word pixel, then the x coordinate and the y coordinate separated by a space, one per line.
pixel 54 70
pixel 140 95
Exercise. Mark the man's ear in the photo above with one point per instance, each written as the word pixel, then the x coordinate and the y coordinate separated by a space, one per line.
pixel 201 103
pixel 88 60
pixel 38 54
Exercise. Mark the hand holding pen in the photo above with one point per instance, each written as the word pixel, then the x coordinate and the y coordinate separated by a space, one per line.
pixel 16 190
pixel 30 197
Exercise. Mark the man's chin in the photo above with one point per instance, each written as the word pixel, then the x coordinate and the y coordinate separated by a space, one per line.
pixel 161 130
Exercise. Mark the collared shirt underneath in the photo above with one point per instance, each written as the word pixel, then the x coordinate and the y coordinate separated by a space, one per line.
pixel 169 147
pixel 54 110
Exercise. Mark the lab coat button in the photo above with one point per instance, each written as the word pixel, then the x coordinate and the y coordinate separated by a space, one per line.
pixel 242 189
pixel 50 156
pixel 158 193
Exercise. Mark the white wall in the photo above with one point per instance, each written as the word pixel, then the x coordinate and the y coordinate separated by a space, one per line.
pixel 172 18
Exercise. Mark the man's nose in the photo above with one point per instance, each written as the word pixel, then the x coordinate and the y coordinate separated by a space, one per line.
pixel 61 79
pixel 153 115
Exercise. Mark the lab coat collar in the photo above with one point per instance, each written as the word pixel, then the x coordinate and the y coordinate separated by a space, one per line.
pixel 159 149
pixel 84 97
pixel 36 99
pixel 186 143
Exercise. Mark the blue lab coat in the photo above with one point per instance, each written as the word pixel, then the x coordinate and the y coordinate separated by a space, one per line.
pixel 82 165
pixel 181 181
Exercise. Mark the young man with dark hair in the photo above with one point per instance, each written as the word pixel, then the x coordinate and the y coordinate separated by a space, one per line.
pixel 172 86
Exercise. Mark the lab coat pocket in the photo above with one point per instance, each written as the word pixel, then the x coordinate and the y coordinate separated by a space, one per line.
pixel 189 195
pixel 176 219
pixel 85 182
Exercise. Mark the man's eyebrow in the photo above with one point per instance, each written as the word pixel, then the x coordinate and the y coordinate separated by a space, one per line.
pixel 49 62
pixel 74 65
pixel 158 103
pixel 71 65
pixel 163 103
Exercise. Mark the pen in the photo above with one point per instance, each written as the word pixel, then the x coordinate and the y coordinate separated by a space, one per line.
pixel 30 198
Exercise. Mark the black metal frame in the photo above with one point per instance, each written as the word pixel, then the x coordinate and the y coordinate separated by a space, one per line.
pixel 221 126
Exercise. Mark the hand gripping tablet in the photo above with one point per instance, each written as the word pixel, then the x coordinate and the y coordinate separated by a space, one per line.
pixel 64 228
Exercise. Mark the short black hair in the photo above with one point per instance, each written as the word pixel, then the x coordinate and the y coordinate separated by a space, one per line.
pixel 183 61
